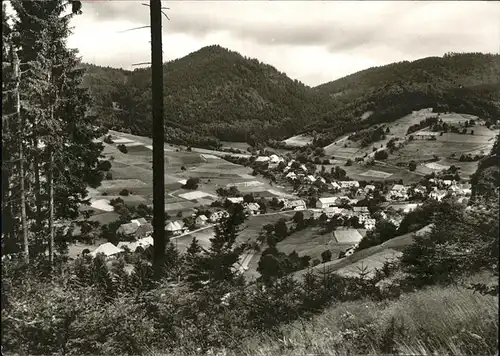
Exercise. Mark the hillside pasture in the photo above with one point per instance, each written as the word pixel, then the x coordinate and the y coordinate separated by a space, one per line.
pixel 375 174
pixel 347 236
pixel 369 264
pixel 398 243
pixel 311 243
pixel 105 218
pixel 299 141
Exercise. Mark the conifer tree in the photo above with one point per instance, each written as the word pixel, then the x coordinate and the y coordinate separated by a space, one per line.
pixel 56 108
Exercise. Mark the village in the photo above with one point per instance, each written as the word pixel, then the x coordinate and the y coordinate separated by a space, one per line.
pixel 354 206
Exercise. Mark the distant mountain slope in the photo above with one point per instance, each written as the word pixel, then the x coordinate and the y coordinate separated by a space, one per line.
pixel 217 94
pixel 462 82
pixel 212 92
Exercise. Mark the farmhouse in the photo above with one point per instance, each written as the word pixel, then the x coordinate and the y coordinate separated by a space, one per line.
pixel 291 175
pixel 107 249
pixel 201 220
pixel 323 203
pixel 346 184
pixel 127 230
pixel 175 227
pixel 303 167
pixel 295 204
pixel 322 180
pixel 253 208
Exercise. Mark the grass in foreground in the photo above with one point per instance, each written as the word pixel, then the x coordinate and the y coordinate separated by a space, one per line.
pixel 450 320
pixel 444 321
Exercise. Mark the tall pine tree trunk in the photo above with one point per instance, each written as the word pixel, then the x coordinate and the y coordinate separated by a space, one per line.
pixel 17 106
pixel 50 183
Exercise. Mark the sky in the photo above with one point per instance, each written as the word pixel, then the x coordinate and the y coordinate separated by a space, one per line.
pixel 312 41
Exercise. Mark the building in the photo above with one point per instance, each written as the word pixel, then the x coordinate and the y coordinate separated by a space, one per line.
pixel 348 184
pixel 323 203
pixel 291 175
pixel 294 204
pixel 127 230
pixel 252 209
pixel 175 227
pixel 262 159
pixel 336 186
pixel 438 194
pixel 369 224
pixel 369 188
pixel 311 179
pixel 107 249
pixel 236 200
pixel 201 220
pixel 361 210
pixel 425 135
pixel 276 159
pixel 217 215
pixel 330 211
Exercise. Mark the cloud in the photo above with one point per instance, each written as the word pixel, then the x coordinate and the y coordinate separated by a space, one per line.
pixel 331 39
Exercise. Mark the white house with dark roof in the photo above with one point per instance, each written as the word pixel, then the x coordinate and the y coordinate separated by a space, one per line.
pixel 175 227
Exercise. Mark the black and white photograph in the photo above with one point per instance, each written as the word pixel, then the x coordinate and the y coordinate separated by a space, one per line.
pixel 251 178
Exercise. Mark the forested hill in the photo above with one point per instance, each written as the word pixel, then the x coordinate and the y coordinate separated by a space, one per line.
pixel 215 93
pixel 211 92
pixel 462 82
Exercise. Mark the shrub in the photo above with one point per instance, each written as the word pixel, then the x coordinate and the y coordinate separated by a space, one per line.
pixel 108 140
pixel 191 183
pixel 124 192
pixel 122 148
pixel 348 162
pixel 109 176
pixel 412 166
pixel 326 256
pixel 381 155
pixel 104 166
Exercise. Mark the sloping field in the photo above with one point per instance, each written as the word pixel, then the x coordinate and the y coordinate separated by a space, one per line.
pixel 398 243
pixel 298 141
pixel 102 204
pixel 195 195
pixel 310 242
pixel 122 183
pixel 105 218
pixel 369 264
pixel 185 205
pixel 436 166
pixel 375 174
pixel 348 236
pixel 122 140
pixel 205 156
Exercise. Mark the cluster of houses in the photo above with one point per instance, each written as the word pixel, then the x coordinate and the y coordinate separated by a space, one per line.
pixel 331 206
pixel 439 189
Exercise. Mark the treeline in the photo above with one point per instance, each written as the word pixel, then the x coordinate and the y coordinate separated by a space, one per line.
pixel 48 149
pixel 217 94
